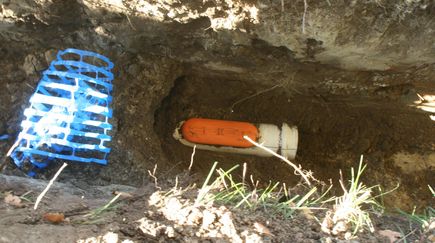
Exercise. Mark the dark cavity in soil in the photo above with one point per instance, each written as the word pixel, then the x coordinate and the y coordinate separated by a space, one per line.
pixel 334 129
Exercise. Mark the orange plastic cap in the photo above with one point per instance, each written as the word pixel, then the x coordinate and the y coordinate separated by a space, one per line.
pixel 219 132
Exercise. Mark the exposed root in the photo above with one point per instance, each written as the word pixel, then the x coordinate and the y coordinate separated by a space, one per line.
pixel 304 16
pixel 252 96
pixel 191 157
pixel 153 175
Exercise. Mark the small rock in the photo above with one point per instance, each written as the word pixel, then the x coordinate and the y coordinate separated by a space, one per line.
pixel 7 13
pixel 228 228
pixel 194 216
pixel 155 199
pixel 207 219
pixel 170 232
pixel 32 64
pixel 150 227
pixel 222 209
pixel 212 234
pixel 253 238
pixel 149 213
pixel 327 223
pixel 54 218
pixel 50 55
pixel 13 201
pixel 110 237
pixel 340 227
pixel 260 228
pixel 178 228
pixel 348 235
pixel 172 208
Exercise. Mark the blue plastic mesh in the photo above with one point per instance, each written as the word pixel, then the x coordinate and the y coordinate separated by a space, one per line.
pixel 69 112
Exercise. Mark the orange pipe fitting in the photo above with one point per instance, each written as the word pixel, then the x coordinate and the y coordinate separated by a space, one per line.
pixel 227 136
pixel 219 132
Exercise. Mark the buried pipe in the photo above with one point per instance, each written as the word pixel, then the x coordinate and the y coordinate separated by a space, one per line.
pixel 227 136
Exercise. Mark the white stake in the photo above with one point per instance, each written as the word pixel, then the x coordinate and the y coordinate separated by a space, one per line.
pixel 38 200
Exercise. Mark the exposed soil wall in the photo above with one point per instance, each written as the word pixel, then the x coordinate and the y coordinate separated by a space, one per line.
pixel 349 81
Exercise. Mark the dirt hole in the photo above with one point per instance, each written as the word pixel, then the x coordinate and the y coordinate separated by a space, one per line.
pixel 334 130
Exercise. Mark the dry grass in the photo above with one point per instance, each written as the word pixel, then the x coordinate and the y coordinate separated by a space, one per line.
pixel 274 198
pixel 351 211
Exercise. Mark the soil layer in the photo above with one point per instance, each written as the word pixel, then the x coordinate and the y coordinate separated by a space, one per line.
pixel 184 60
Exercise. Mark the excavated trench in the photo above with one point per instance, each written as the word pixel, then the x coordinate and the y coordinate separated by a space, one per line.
pixel 344 103
pixel 334 129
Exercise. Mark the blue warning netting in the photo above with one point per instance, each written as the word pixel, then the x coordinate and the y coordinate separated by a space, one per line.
pixel 69 112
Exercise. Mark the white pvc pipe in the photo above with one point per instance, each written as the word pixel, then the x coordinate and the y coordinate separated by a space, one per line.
pixel 283 141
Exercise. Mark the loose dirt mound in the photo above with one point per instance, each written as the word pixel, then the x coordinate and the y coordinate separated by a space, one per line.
pixel 150 215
